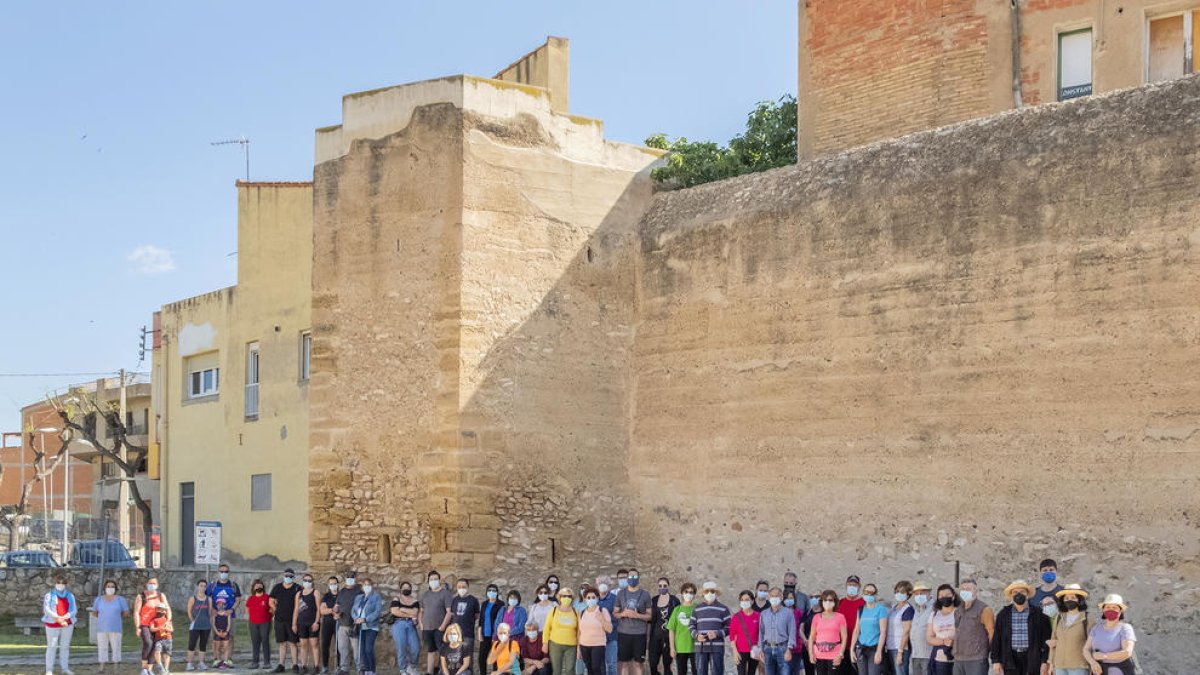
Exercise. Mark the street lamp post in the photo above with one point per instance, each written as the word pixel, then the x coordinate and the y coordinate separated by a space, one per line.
pixel 66 484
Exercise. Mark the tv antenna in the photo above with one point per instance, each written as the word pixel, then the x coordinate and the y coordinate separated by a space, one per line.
pixel 245 143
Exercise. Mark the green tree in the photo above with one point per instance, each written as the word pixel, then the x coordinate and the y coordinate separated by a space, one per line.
pixel 768 142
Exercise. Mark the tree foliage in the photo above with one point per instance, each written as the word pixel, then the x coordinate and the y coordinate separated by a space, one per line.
pixel 768 142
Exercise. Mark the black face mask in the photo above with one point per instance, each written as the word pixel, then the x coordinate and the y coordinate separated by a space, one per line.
pixel 1071 605
pixel 1019 598
pixel 945 602
pixel 789 588
pixel 406 592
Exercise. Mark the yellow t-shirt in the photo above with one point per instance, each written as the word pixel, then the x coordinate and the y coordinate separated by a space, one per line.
pixel 562 626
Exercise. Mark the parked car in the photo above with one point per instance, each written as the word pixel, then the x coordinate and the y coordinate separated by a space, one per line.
pixel 27 559
pixel 88 553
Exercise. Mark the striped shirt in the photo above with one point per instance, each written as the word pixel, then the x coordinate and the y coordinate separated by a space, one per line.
pixel 713 617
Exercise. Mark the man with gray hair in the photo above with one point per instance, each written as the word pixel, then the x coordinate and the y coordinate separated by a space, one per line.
pixel 608 600
pixel 975 625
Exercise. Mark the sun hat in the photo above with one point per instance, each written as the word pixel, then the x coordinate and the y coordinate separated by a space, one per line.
pixel 921 586
pixel 1114 599
pixel 1017 586
pixel 1072 589
pixel 712 586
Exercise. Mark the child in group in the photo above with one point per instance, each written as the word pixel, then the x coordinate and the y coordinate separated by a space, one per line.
pixel 221 618
pixel 162 630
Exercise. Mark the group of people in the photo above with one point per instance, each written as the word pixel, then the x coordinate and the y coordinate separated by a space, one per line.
pixel 622 628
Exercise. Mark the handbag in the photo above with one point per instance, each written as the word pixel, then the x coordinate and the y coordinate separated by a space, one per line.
pixel 755 651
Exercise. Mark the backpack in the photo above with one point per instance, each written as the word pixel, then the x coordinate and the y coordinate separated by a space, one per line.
pixel 148 611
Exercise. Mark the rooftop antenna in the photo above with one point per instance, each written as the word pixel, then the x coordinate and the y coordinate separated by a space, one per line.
pixel 245 143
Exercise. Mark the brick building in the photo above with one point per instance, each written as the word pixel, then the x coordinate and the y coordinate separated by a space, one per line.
pixel 876 70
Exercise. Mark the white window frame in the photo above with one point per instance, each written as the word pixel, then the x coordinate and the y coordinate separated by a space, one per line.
pixel 1058 70
pixel 1189 16
pixel 253 379
pixel 305 355
pixel 204 390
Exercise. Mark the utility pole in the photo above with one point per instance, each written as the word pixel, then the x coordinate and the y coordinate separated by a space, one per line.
pixel 123 486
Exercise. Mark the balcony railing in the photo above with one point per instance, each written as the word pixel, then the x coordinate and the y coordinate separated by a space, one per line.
pixel 252 400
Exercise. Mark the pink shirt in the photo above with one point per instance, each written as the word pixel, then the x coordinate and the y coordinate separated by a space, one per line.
pixel 592 624
pixel 827 636
pixel 744 630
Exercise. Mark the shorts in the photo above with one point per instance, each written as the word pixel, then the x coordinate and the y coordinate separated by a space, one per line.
pixel 218 638
pixel 305 631
pixel 284 633
pixel 432 639
pixel 197 638
pixel 631 647
pixel 163 646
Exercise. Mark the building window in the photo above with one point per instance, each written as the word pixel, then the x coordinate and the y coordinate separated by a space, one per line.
pixel 1074 64
pixel 260 492
pixel 1170 46
pixel 305 355
pixel 204 382
pixel 252 380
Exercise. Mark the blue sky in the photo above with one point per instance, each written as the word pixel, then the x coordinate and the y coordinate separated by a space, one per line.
pixel 113 201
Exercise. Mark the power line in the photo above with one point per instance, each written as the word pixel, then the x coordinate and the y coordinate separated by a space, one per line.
pixel 106 372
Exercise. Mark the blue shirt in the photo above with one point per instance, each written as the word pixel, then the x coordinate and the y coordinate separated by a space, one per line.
pixel 868 624
pixel 108 613
pixel 608 602
pixel 224 590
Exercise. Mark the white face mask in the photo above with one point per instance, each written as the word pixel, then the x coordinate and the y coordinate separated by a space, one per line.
pixel 774 601
pixel 828 605
pixel 60 587
pixel 502 636
pixel 453 640
pixel 151 587
pixel 901 597
pixel 333 587
pixel 349 581
pixel 434 584
pixel 367 590
pixel 921 599
pixel 603 588
pixel 852 590
pixel 553 586
pixel 745 604
pixel 462 592
pixel 110 591
pixel 531 634
pixel 512 602
pixel 543 597
pixel 710 597
pixel 688 597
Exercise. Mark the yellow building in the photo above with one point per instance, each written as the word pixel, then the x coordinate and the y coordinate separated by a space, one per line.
pixel 230 376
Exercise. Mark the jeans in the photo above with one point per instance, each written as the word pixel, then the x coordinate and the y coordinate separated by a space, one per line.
pixel 593 657
pixel 610 657
pixel 260 643
pixel 901 669
pixel 710 663
pixel 979 667
pixel 106 643
pixel 1071 671
pixel 366 646
pixel 59 640
pixel 918 667
pixel 659 649
pixel 347 644
pixel 774 663
pixel 866 660
pixel 408 647
pixel 685 664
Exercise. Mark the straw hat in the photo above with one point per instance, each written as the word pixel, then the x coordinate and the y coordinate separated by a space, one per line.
pixel 1072 589
pixel 1018 586
pixel 1114 599
pixel 711 586
pixel 921 586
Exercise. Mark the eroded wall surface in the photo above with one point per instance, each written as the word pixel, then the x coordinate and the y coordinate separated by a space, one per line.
pixel 978 344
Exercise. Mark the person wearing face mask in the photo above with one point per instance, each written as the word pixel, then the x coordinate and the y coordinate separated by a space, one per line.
pixel 435 618
pixel 406 609
pixel 505 653
pixel 1048 573
pixel 659 645
pixel 622 579
pixel 1019 641
pixel 534 659
pixel 679 633
pixel 829 636
pixel 922 606
pixel 868 647
pixel 789 586
pixel 974 625
pixel 455 653
pixel 489 616
pixel 710 626
pixel 1110 643
pixel 942 630
pixel 145 610
pixel 108 610
pixel 199 612
pixel 552 584
pixel 283 606
pixel 776 637
pixel 633 618
pixel 58 615
pixel 513 614
pixel 899 629
pixel 225 588
pixel 347 637
pixel 595 623
pixel 365 613
pixel 258 613
pixel 560 636
pixel 762 591
pixel 329 625
pixel 306 625
pixel 814 608
pixel 541 607
pixel 800 613
pixel 743 633
pixel 464 610
pixel 849 607
pixel 608 601
pixel 1069 634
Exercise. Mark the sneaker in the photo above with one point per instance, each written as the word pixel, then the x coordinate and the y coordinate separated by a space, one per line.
pixel 295 668
pixel 278 669
pixel 189 667
pixel 202 666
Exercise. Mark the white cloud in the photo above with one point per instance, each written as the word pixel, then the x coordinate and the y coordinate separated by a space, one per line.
pixel 151 260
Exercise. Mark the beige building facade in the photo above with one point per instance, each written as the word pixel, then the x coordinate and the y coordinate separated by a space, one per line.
pixel 231 377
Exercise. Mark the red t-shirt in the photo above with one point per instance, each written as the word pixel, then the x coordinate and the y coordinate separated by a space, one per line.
pixel 258 607
pixel 850 608
pixel 61 606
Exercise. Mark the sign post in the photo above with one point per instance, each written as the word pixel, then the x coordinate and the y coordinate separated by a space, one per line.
pixel 208 542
